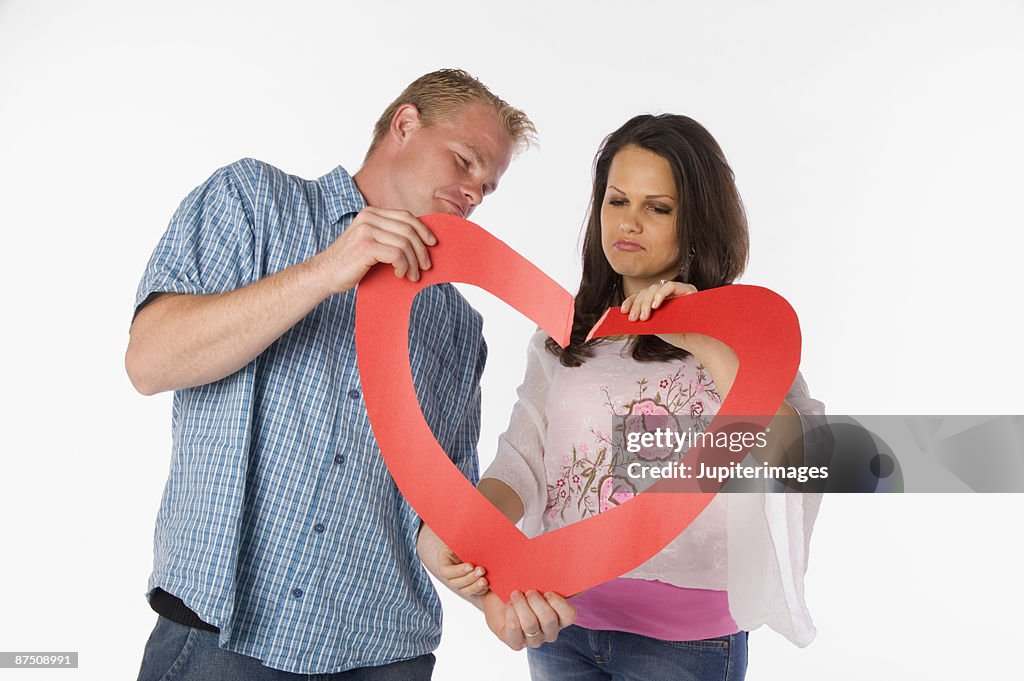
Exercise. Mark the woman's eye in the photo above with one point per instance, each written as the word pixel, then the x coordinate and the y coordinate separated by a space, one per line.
pixel 616 202
pixel 661 210
pixel 463 161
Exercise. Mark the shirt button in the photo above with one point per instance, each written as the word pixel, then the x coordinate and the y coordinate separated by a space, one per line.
pixel 353 394
pixel 319 527
pixel 339 458
pixel 297 593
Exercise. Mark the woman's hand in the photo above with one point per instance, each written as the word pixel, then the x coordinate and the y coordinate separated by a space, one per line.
pixel 640 304
pixel 462 578
pixel 718 358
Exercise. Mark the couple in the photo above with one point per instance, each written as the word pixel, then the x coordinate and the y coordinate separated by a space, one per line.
pixel 282 546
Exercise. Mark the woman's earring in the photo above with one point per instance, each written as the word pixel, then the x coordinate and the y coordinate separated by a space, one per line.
pixel 684 268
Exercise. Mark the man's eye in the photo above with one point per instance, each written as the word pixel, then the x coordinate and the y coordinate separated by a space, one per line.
pixel 463 161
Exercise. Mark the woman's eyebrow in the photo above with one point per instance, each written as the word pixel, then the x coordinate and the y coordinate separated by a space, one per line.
pixel 649 196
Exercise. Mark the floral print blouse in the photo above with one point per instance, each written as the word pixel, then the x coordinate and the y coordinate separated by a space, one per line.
pixel 558 455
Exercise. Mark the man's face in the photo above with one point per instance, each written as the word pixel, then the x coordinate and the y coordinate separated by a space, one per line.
pixel 451 165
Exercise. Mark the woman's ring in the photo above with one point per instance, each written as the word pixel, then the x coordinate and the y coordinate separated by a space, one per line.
pixel 536 633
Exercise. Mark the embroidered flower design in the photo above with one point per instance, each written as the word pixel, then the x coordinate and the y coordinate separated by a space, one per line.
pixel 613 491
pixel 592 480
pixel 648 408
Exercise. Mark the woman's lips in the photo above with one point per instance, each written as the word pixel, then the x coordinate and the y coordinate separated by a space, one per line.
pixel 623 245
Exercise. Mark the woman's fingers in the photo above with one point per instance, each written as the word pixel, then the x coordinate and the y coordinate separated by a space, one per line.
pixel 477 588
pixel 663 292
pixel 640 305
pixel 463 578
pixel 648 300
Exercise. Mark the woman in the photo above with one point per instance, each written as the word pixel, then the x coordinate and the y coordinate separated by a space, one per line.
pixel 666 220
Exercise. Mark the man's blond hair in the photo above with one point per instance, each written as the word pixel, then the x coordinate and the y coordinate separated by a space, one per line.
pixel 439 95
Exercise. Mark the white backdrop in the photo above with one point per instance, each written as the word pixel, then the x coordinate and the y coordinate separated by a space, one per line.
pixel 877 146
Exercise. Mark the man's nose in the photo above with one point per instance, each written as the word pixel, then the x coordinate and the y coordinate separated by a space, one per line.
pixel 474 194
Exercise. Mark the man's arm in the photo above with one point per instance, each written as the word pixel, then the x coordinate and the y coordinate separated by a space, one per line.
pixel 183 340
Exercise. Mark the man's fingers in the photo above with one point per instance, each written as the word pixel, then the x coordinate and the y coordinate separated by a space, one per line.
pixel 513 632
pixel 533 632
pixel 408 218
pixel 566 612
pixel 410 239
pixel 403 246
pixel 390 255
pixel 546 616
pixel 404 226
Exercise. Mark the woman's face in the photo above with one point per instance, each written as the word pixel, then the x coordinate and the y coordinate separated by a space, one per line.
pixel 638 219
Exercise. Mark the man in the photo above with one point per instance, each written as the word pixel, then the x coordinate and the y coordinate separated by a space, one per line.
pixel 282 545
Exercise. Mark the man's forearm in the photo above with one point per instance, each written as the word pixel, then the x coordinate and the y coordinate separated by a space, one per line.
pixel 180 341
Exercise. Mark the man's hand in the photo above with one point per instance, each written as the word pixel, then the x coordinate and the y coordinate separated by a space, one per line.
pixel 377 235
pixel 180 341
pixel 527 621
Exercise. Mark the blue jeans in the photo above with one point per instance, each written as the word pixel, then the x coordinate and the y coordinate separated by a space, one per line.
pixel 181 653
pixel 588 655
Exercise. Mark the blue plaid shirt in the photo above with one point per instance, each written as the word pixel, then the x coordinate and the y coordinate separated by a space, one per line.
pixel 279 523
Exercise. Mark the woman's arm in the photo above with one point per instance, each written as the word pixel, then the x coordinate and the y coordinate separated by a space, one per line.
pixel 527 620
pixel 467 580
pixel 784 435
pixel 502 497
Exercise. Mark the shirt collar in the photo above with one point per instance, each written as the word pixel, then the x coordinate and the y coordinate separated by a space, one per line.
pixel 341 194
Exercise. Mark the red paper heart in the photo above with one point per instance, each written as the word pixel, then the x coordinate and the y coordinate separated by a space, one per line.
pixel 756 323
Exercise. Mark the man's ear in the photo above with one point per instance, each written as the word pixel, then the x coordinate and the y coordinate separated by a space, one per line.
pixel 406 119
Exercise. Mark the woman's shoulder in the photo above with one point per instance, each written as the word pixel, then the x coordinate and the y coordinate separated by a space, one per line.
pixel 537 349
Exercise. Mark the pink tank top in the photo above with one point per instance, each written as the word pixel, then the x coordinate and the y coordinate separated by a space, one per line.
pixel 655 609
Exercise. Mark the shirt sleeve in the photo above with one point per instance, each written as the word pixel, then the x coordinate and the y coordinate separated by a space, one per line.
pixel 464 454
pixel 817 439
pixel 519 461
pixel 209 246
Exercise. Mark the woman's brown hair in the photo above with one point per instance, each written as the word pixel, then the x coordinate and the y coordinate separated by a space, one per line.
pixel 711 226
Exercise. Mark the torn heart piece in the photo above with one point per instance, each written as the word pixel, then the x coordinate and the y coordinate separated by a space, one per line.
pixel 756 323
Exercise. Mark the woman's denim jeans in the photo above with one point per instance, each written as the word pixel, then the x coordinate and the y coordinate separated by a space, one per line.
pixel 587 655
